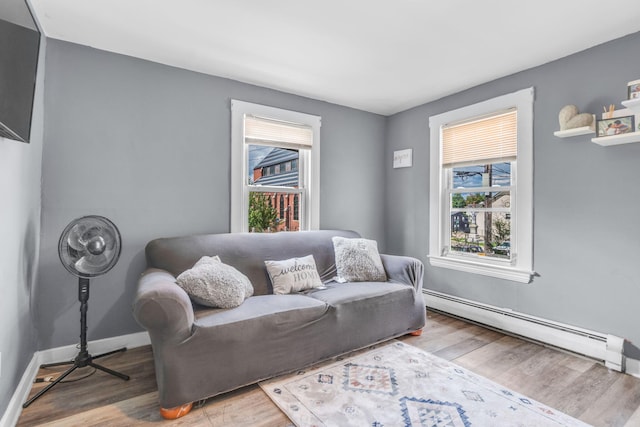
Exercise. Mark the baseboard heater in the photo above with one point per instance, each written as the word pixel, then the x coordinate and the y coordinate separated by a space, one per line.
pixel 602 347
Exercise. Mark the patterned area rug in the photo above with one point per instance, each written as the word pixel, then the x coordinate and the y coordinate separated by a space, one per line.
pixel 396 384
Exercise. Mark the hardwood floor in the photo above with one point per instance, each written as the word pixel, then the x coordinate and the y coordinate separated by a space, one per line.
pixel 577 386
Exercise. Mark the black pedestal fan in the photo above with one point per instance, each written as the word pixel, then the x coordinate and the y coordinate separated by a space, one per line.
pixel 89 247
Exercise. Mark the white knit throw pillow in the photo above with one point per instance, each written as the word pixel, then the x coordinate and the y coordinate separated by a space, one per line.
pixel 209 259
pixel 215 284
pixel 358 260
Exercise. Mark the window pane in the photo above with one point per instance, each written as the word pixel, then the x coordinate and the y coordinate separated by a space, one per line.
pixel 482 233
pixel 494 199
pixel 489 175
pixel 267 166
pixel 272 212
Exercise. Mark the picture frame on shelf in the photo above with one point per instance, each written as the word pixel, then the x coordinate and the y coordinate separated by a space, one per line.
pixel 615 126
pixel 633 90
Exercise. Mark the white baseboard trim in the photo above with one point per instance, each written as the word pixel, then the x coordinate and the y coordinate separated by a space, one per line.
pixel 61 354
pixel 14 409
pixel 68 352
pixel 599 346
pixel 632 367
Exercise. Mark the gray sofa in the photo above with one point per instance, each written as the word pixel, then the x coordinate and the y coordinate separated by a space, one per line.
pixel 200 352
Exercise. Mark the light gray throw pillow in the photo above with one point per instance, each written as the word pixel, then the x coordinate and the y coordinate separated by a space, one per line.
pixel 293 275
pixel 209 259
pixel 358 260
pixel 215 284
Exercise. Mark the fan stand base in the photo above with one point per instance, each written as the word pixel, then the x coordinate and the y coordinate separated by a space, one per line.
pixel 82 360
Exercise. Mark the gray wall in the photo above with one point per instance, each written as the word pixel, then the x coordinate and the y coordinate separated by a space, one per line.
pixel 20 166
pixel 148 146
pixel 586 204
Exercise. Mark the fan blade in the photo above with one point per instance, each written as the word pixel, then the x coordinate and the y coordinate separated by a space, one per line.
pixel 75 240
pixel 109 239
pixel 89 263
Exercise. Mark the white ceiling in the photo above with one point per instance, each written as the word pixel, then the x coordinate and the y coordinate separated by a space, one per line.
pixel 382 56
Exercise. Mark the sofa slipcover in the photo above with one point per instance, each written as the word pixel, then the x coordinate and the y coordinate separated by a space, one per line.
pixel 200 351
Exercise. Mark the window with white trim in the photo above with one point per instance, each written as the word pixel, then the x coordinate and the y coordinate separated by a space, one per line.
pixel 481 190
pixel 275 169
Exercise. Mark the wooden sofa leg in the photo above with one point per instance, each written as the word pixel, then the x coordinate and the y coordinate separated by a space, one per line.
pixel 177 412
pixel 416 333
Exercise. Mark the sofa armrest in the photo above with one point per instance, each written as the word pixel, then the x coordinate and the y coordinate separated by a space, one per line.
pixel 404 269
pixel 162 307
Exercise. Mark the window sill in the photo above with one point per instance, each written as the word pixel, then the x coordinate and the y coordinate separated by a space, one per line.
pixel 498 271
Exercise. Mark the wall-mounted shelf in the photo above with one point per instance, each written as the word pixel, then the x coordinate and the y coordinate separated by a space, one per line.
pixel 583 130
pixel 633 105
pixel 625 138
pixel 605 141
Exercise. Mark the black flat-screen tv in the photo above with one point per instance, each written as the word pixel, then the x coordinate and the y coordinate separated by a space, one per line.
pixel 18 67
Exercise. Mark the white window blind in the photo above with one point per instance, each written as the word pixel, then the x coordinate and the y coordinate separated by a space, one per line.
pixel 260 130
pixel 482 141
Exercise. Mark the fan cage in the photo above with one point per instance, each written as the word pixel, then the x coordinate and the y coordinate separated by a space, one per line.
pixel 76 256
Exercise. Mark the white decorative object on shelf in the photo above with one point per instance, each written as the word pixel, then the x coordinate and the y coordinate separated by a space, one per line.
pixel 570 119
pixel 625 138
pixel 583 130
